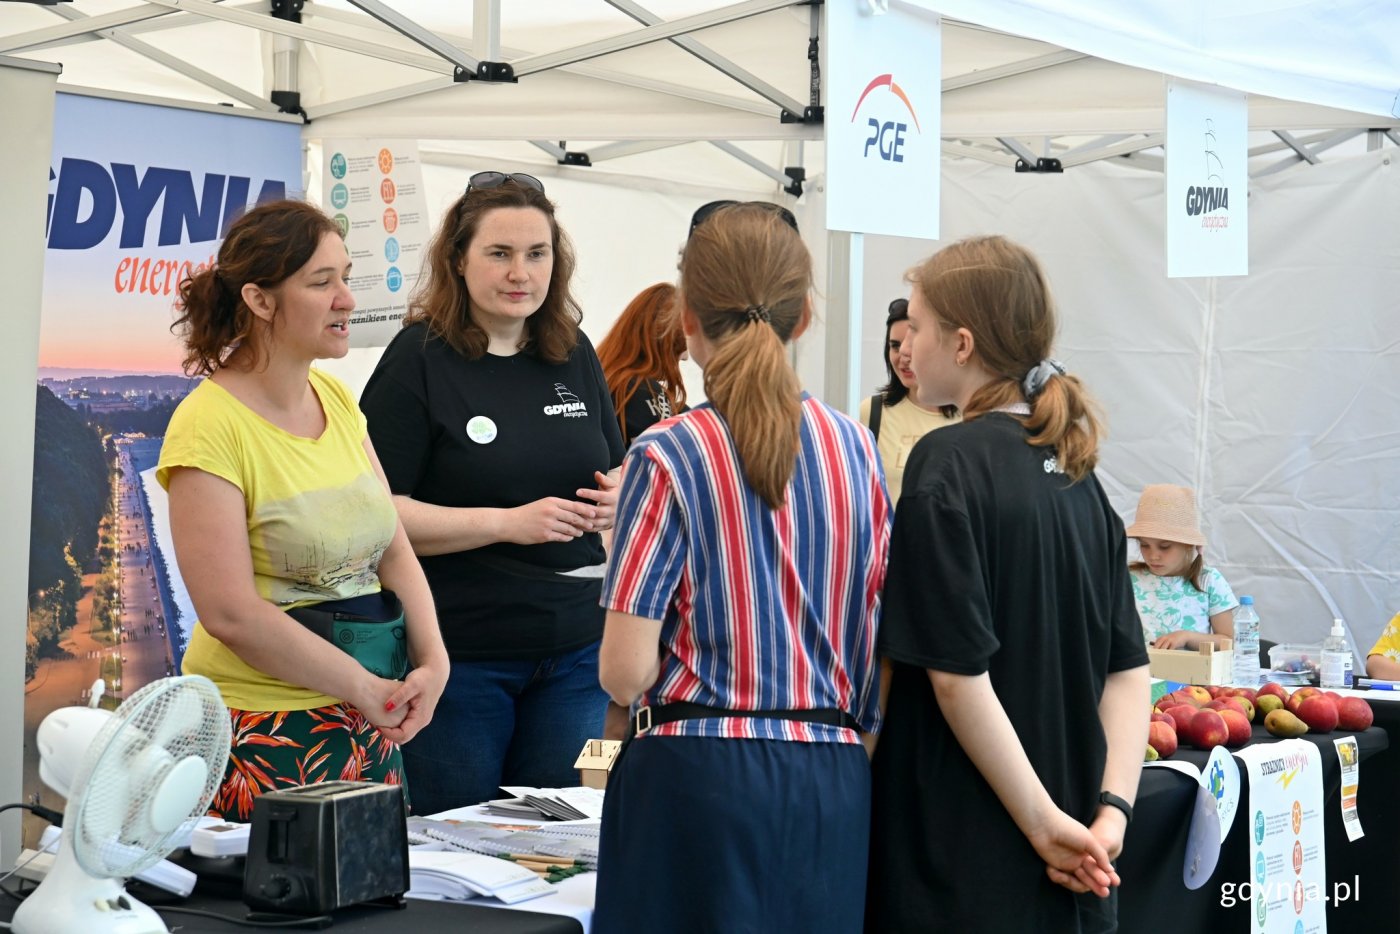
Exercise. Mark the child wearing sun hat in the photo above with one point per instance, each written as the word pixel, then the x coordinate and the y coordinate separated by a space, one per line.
pixel 1182 602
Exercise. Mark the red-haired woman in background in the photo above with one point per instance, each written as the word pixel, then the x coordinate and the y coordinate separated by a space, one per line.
pixel 641 360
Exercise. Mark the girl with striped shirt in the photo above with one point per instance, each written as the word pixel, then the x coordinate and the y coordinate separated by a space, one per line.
pixel 742 597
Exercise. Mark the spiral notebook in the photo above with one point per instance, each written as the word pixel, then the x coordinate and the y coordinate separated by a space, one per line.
pixel 575 844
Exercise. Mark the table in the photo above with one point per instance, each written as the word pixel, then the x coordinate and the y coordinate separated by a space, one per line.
pixel 1154 899
pixel 421 917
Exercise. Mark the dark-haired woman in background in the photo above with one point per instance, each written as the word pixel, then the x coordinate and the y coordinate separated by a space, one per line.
pixel 894 414
pixel 743 597
pixel 641 359
pixel 498 436
pixel 277 502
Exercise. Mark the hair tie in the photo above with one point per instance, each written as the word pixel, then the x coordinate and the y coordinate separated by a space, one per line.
pixel 757 313
pixel 1034 382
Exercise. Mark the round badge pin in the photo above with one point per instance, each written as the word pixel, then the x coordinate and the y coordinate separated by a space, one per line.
pixel 481 429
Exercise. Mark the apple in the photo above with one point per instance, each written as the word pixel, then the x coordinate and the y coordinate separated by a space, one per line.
pixel 1274 688
pixel 1299 696
pixel 1183 714
pixel 1215 690
pixel 1247 693
pixel 1159 717
pixel 1198 692
pixel 1237 704
pixel 1319 712
pixel 1208 730
pixel 1240 731
pixel 1354 714
pixel 1161 737
pixel 1283 723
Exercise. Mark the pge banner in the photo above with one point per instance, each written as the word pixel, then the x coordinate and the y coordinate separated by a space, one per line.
pixel 139 196
pixel 1207 176
pixel 883 118
pixel 374 190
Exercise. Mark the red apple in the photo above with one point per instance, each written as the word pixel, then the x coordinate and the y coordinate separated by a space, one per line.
pixel 1354 714
pixel 1199 692
pixel 1246 693
pixel 1208 730
pixel 1214 690
pixel 1240 731
pixel 1161 737
pixel 1274 688
pixel 1319 712
pixel 1237 704
pixel 1183 714
pixel 1299 696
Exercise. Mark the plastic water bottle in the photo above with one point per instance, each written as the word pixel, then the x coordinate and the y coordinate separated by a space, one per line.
pixel 1246 667
pixel 1334 658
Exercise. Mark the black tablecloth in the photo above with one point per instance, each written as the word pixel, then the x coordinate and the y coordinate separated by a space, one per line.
pixel 1153 897
pixel 420 917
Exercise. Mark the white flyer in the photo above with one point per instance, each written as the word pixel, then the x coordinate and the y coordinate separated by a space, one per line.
pixel 1287 857
pixel 1349 757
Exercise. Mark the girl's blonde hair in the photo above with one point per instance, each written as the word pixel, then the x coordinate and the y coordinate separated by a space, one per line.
pixel 746 275
pixel 996 289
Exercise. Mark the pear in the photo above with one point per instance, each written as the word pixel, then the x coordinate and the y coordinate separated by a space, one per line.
pixel 1285 724
pixel 1150 755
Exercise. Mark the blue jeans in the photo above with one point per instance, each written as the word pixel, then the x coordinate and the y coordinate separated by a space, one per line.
pixel 511 722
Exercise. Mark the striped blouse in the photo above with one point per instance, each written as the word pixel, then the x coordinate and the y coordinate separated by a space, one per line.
pixel 761 609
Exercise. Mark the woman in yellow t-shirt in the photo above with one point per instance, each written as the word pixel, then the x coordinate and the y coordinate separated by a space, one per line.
pixel 277 502
pixel 900 420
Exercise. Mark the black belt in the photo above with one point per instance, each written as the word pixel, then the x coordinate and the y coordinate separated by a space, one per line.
pixel 648 717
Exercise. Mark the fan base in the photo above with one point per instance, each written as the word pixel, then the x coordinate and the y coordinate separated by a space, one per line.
pixel 70 900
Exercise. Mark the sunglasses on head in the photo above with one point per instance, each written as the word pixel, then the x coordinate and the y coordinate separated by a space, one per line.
pixel 487 180
pixel 705 210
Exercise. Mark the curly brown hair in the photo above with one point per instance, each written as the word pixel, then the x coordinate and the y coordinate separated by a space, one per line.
pixel 263 247
pixel 441 299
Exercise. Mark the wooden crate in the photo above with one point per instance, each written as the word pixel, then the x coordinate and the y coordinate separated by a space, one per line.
pixel 1207 664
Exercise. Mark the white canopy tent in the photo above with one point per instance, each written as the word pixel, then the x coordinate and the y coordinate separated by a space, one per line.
pixel 1272 393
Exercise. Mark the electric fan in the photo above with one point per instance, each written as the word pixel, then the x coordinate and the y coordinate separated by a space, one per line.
pixel 136 781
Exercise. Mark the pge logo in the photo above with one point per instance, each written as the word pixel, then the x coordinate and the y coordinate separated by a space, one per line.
pixel 886 136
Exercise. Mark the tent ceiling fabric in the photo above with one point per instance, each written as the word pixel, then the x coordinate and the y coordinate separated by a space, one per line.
pixel 1095 66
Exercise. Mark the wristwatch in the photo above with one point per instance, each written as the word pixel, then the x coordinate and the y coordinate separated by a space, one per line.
pixel 1113 801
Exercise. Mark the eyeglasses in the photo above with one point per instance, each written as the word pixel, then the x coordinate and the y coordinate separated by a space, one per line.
pixel 705 210
pixel 487 180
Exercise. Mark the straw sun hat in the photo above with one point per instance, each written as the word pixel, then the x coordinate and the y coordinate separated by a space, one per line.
pixel 1167 512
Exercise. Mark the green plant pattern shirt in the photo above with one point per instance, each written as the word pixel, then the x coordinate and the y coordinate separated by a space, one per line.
pixel 1171 604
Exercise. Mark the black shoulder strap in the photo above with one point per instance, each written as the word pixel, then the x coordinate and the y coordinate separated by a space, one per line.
pixel 877 405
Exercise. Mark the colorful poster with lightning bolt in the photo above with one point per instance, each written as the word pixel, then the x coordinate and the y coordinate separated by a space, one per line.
pixel 1287 858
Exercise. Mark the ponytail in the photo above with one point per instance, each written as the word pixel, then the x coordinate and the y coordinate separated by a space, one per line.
pixel 1063 417
pixel 745 276
pixel 750 383
pixel 214 321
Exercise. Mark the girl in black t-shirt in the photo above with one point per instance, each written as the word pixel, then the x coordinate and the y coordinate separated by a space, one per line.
pixel 641 359
pixel 1009 758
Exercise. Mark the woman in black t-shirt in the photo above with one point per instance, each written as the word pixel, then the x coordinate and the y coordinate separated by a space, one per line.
pixel 1010 753
pixel 641 359
pixel 500 444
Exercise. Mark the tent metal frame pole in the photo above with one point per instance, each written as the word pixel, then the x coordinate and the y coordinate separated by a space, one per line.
pixel 158 24
pixel 177 65
pixel 643 36
pixel 1018 149
pixel 1394 136
pixel 1009 70
pixel 48 35
pixel 486 30
pixel 981 154
pixel 1336 139
pixel 332 108
pixel 712 58
pixel 428 39
pixel 1094 145
pixel 845 278
pixel 632 148
pixel 554 151
pixel 309 34
pixel 751 160
pixel 1292 143
pixel 1150 141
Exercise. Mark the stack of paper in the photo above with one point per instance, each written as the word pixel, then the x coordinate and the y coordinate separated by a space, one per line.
pixel 549 803
pixel 457 875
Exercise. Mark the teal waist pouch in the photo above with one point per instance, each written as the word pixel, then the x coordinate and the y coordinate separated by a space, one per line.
pixel 368 628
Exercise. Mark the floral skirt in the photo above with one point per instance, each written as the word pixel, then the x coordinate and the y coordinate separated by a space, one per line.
pixel 277 749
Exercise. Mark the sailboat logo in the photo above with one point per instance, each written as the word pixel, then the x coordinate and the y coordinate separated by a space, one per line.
pixel 569 405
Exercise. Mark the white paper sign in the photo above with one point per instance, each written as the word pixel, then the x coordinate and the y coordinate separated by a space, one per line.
pixel 1349 759
pixel 883 117
pixel 1287 857
pixel 1207 177
pixel 374 190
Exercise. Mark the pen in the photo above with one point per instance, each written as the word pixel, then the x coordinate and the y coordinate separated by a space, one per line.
pixel 1379 685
